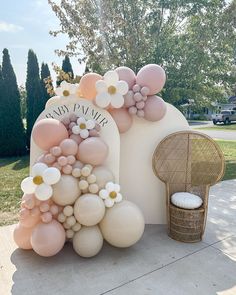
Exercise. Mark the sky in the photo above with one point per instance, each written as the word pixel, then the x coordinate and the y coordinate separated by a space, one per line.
pixel 24 25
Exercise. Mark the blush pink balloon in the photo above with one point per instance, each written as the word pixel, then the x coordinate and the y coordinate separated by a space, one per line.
pixel 47 133
pixel 48 238
pixel 127 75
pixel 93 150
pixel 28 201
pixel 87 85
pixel 155 108
pixel 122 118
pixel 22 236
pixel 69 147
pixel 29 221
pixel 76 138
pixel 153 77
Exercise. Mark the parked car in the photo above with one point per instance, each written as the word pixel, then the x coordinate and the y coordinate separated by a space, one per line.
pixel 226 117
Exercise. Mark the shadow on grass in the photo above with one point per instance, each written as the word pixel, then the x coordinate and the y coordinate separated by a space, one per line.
pixel 18 162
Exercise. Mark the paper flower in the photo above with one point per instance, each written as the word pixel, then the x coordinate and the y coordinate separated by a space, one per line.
pixel 66 90
pixel 41 181
pixel 111 194
pixel 82 127
pixel 110 91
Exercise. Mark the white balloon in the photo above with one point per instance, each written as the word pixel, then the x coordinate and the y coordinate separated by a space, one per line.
pixel 38 169
pixel 89 209
pixel 103 99
pixel 101 86
pixel 27 185
pixel 123 224
pixel 117 100
pixel 111 77
pixel 51 175
pixel 88 241
pixel 122 87
pixel 43 192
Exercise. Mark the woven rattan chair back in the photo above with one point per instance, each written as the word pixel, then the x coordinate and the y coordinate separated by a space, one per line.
pixel 188 161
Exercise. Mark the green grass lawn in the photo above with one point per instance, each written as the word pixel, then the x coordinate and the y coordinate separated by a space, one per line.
pixel 231 127
pixel 13 170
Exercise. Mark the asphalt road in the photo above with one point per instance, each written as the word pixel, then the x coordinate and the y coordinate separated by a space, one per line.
pixel 218 134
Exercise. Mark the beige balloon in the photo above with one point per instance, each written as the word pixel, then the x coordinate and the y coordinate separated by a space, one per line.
pixel 123 224
pixel 103 175
pixel 88 241
pixel 66 191
pixel 89 209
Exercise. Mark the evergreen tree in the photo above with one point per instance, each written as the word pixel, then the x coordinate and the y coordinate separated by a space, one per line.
pixel 12 137
pixel 67 67
pixel 34 101
pixel 45 73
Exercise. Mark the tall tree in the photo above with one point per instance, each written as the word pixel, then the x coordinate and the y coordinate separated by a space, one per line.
pixel 67 67
pixel 45 75
pixel 35 101
pixel 12 137
pixel 193 40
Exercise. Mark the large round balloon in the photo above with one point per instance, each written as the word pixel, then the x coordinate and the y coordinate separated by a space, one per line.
pixel 69 147
pixel 103 176
pixel 47 133
pixel 88 241
pixel 122 118
pixel 28 220
pixel 123 224
pixel 127 75
pixel 48 238
pixel 87 85
pixel 155 108
pixel 92 150
pixel 22 236
pixel 89 209
pixel 153 77
pixel 66 191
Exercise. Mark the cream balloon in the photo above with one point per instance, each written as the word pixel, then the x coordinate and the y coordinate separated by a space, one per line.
pixel 89 209
pixel 88 241
pixel 103 176
pixel 66 191
pixel 123 224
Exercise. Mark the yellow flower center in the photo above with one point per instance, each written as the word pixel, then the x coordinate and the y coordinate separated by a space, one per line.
pixel 112 89
pixel 113 195
pixel 66 93
pixel 38 180
pixel 82 126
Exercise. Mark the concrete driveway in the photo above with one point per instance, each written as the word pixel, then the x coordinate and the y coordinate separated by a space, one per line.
pixel 156 265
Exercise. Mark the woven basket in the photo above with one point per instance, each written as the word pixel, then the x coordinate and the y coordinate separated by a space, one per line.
pixel 188 161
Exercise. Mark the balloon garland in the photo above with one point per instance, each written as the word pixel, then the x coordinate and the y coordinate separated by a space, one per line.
pixel 122 93
pixel 71 195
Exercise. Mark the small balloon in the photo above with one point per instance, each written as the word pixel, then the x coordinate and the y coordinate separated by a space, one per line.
pixel 93 150
pixel 69 147
pixel 88 241
pixel 47 133
pixel 127 75
pixel 22 236
pixel 48 238
pixel 155 108
pixel 122 118
pixel 153 77
pixel 87 85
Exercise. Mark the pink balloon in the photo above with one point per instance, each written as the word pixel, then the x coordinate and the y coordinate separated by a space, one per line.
pixel 47 133
pixel 92 150
pixel 22 236
pixel 127 75
pixel 48 238
pixel 155 108
pixel 69 147
pixel 28 201
pixel 76 138
pixel 129 99
pixel 87 85
pixel 153 77
pixel 29 221
pixel 122 118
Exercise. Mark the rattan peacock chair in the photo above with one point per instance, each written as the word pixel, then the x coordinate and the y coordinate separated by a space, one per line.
pixel 188 161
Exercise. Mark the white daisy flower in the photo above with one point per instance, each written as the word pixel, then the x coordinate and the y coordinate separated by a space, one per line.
pixel 111 194
pixel 83 126
pixel 110 91
pixel 41 181
pixel 66 90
